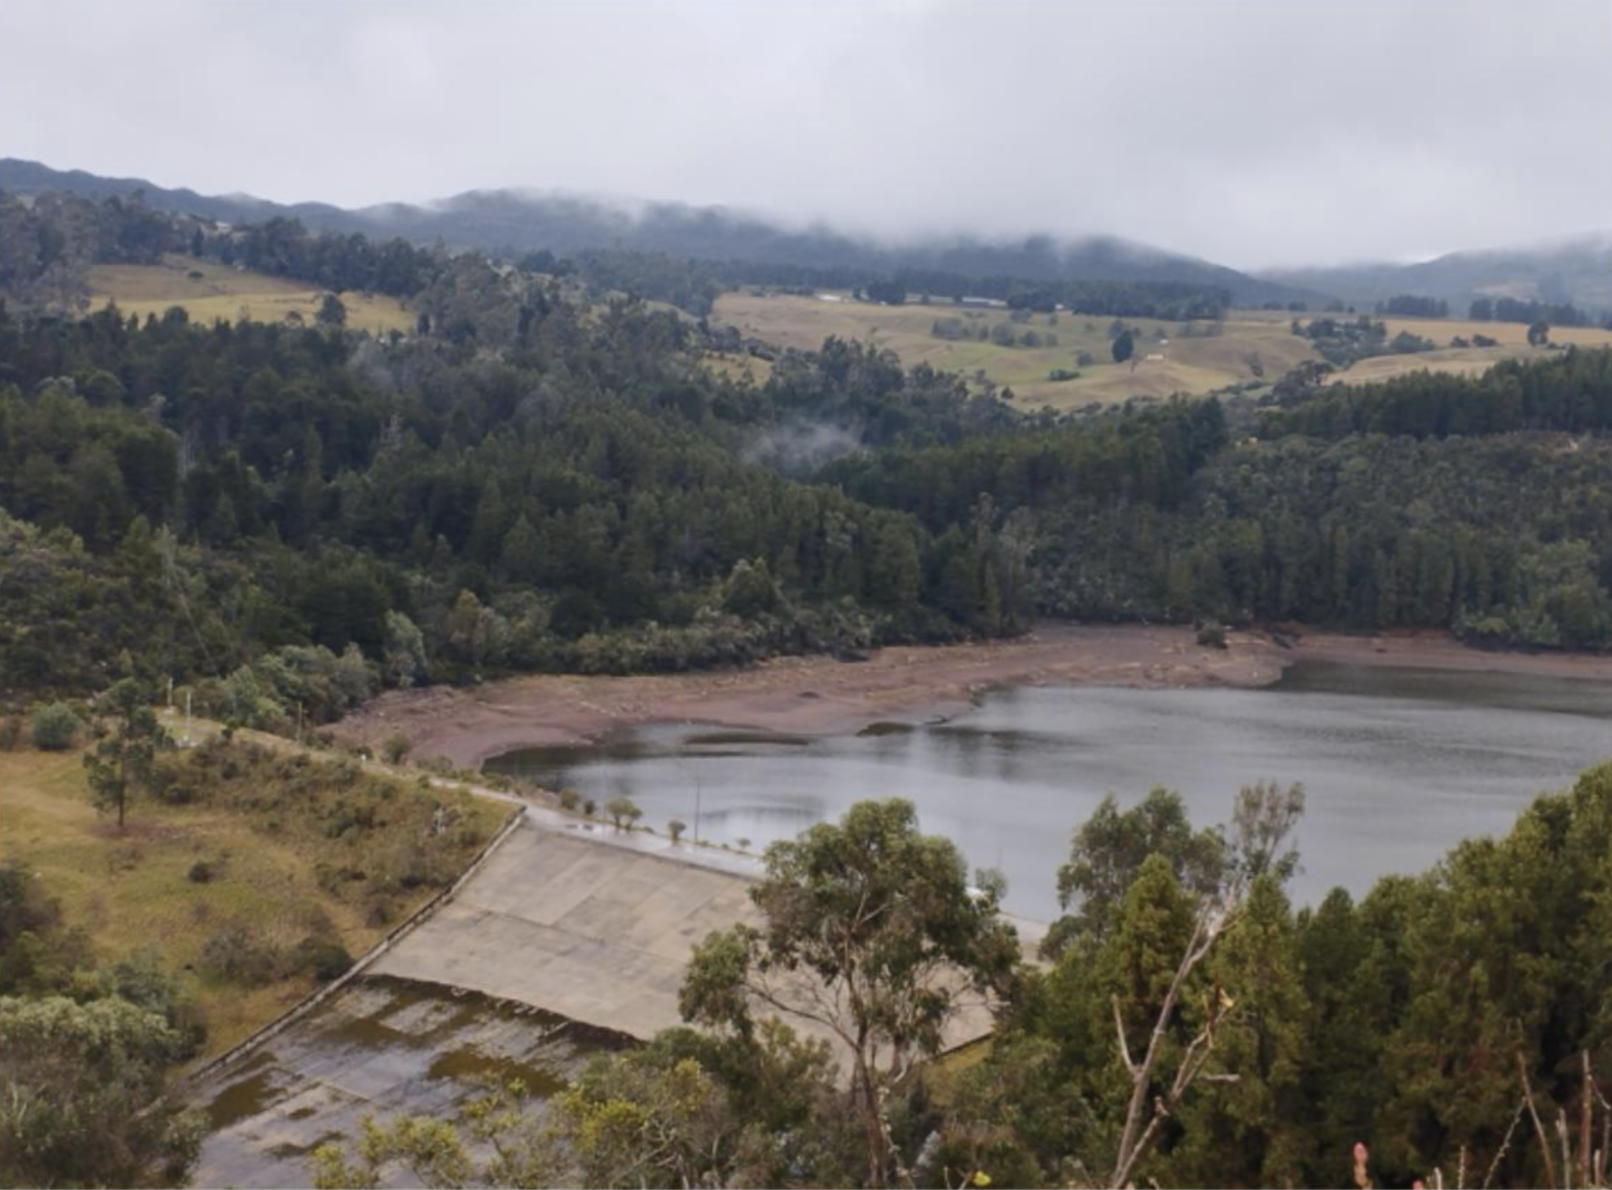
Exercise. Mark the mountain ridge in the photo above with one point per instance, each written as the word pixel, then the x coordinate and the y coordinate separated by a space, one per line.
pixel 516 221
pixel 1576 269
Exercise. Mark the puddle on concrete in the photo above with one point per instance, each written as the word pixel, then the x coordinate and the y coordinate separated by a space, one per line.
pixel 380 1047
pixel 471 1065
pixel 249 1094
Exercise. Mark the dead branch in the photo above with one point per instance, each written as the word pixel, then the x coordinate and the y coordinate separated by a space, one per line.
pixel 1124 1046
pixel 1505 1144
pixel 1136 1137
pixel 1539 1127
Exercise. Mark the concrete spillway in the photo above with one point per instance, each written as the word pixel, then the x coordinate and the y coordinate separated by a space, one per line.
pixel 576 926
pixel 587 924
pixel 593 926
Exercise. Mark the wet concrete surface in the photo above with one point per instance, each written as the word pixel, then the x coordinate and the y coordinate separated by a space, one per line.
pixel 380 1047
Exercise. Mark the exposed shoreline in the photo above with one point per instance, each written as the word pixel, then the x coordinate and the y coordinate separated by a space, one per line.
pixel 819 695
pixel 913 684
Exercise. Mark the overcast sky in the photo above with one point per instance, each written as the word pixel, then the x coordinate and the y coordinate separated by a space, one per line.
pixel 1250 132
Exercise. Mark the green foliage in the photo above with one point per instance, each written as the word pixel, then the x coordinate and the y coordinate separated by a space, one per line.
pixel 83 1098
pixel 432 1150
pixel 1571 392
pixel 1407 343
pixel 1399 1020
pixel 325 958
pixel 404 662
pixel 623 812
pixel 36 955
pixel 238 953
pixel 1342 343
pixel 1108 851
pixel 395 747
pixel 1407 305
pixel 296 680
pixel 1123 347
pixel 55 726
pixel 885 921
pixel 331 311
pixel 121 763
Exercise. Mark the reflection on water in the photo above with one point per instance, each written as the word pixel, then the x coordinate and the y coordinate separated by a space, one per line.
pixel 1399 765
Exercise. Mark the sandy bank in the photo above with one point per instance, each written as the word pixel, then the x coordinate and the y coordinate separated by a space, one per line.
pixel 820 695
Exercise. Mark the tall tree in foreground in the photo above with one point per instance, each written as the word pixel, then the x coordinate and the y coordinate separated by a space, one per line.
pixel 1160 1071
pixel 871 932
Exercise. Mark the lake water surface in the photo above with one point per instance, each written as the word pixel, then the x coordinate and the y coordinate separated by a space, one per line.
pixel 1398 765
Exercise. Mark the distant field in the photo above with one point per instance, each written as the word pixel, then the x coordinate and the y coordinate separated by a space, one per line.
pixel 1190 365
pixel 220 292
pixel 1509 334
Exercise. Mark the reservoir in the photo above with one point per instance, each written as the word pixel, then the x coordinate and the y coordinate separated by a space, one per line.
pixel 1398 765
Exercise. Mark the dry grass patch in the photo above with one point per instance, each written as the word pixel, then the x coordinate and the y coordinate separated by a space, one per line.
pixel 292 848
pixel 1188 365
pixel 209 292
pixel 1252 345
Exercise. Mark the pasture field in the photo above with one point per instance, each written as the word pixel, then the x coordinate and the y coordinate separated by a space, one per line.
pixel 135 890
pixel 1190 365
pixel 209 291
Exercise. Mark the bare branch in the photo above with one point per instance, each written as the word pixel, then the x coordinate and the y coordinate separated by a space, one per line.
pixel 1124 1046
pixel 1505 1144
pixel 1539 1127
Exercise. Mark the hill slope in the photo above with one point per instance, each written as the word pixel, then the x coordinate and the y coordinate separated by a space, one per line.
pixel 1578 270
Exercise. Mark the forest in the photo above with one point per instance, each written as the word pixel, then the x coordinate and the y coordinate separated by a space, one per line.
pixel 538 481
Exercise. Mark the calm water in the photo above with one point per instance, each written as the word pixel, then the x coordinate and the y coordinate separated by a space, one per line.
pixel 1398 765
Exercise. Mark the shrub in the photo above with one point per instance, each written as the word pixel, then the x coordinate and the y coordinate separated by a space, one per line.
pixel 394 748
pixel 569 800
pixel 1212 634
pixel 10 733
pixel 238 954
pixel 379 913
pixel 326 959
pixel 203 872
pixel 55 727
pixel 623 811
pixel 675 828
pixel 590 807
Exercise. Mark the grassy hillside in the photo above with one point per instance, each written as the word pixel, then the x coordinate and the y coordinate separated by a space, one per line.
pixel 278 868
pixel 209 291
pixel 1189 365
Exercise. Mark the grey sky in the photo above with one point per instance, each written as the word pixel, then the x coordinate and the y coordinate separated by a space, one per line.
pixel 1247 131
